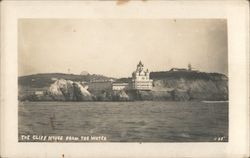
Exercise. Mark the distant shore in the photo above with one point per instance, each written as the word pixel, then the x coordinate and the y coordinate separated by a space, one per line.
pixel 167 86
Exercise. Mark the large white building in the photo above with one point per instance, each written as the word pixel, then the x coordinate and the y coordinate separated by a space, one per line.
pixel 140 78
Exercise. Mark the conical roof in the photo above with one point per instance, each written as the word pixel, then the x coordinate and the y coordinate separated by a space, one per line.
pixel 140 64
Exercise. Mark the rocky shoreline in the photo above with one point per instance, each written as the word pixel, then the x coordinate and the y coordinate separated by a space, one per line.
pixel 166 87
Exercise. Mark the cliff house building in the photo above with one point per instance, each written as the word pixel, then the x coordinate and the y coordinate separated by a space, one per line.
pixel 140 78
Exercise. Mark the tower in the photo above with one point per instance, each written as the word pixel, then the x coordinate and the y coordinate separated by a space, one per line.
pixel 189 67
pixel 140 66
pixel 140 78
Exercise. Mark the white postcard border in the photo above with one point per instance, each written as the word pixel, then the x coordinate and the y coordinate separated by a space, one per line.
pixel 237 15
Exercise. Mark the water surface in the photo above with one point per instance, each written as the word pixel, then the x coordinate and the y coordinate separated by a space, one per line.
pixel 127 121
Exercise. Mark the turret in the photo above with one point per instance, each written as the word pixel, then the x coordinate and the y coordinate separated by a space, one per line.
pixel 140 66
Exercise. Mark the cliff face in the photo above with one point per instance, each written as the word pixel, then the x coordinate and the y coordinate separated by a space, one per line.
pixel 192 85
pixel 68 91
pixel 193 89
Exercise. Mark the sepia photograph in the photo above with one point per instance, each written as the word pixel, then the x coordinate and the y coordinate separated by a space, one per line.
pixel 109 80
pixel 124 78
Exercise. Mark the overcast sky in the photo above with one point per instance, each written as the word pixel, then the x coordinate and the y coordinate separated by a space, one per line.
pixel 113 47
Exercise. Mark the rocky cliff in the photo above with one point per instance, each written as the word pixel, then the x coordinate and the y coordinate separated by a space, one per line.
pixel 61 90
pixel 68 90
pixel 191 85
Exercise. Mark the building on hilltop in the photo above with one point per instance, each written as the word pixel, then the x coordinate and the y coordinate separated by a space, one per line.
pixel 178 69
pixel 140 78
pixel 99 85
pixel 189 69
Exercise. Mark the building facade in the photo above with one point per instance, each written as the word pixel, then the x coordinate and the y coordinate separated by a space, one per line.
pixel 141 79
pixel 99 85
pixel 120 86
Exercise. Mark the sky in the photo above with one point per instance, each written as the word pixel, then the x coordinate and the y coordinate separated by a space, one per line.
pixel 113 47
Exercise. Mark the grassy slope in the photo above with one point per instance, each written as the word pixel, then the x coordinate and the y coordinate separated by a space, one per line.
pixel 188 75
pixel 199 84
pixel 44 80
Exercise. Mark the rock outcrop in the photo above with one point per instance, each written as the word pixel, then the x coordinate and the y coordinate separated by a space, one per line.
pixel 68 90
pixel 192 85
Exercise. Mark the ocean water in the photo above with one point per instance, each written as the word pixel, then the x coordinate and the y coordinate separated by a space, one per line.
pixel 144 121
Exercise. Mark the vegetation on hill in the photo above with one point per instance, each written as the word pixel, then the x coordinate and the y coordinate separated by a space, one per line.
pixel 167 85
pixel 124 80
pixel 46 79
pixel 190 75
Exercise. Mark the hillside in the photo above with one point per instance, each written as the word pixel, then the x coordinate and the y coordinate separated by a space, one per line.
pixel 167 85
pixel 189 85
pixel 188 75
pixel 46 79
